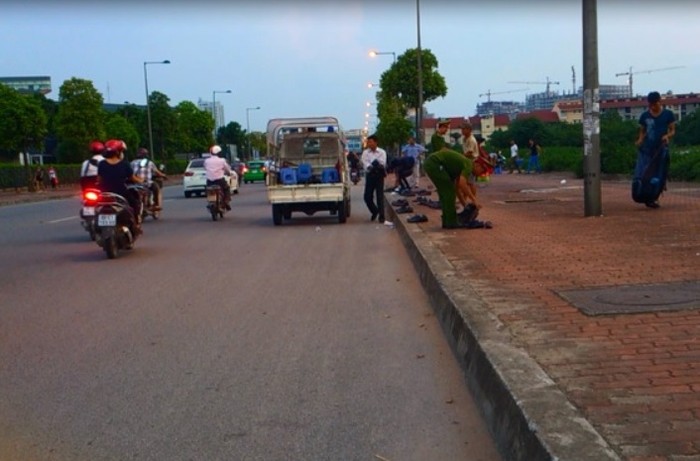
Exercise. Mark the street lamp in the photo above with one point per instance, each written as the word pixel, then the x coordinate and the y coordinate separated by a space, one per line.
pixel 372 85
pixel 374 54
pixel 419 109
pixel 213 107
pixel 247 126
pixel 148 105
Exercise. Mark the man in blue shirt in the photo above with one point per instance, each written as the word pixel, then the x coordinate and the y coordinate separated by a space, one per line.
pixel 656 128
pixel 413 150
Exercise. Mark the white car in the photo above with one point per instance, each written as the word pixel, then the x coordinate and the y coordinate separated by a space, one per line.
pixel 194 180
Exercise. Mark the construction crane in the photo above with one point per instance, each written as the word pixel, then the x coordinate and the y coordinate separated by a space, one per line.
pixel 489 93
pixel 548 82
pixel 631 73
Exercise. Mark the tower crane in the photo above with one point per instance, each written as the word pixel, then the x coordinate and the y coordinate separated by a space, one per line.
pixel 548 82
pixel 631 73
pixel 489 93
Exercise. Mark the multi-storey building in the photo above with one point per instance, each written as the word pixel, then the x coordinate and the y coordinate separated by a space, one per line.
pixel 40 84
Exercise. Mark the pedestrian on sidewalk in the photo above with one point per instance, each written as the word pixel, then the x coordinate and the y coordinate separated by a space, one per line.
pixel 514 160
pixel 374 163
pixel 39 179
pixel 656 128
pixel 534 162
pixel 53 177
pixel 470 149
pixel 416 151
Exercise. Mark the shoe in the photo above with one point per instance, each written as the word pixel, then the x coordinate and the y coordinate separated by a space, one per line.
pixel 228 207
pixel 469 213
pixel 416 218
pixel 455 226
pixel 388 224
pixel 652 204
pixel 400 202
pixel 374 216
pixel 404 209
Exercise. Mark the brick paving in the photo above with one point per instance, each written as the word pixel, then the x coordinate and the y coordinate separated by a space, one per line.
pixel 634 377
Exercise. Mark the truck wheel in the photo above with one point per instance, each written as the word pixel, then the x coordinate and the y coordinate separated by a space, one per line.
pixel 277 214
pixel 342 217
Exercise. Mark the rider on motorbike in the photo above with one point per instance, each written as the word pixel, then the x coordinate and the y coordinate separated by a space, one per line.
pixel 88 170
pixel 114 172
pixel 145 169
pixel 216 168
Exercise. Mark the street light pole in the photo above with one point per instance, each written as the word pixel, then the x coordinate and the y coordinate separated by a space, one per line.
pixel 213 107
pixel 419 109
pixel 148 105
pixel 247 127
pixel 374 54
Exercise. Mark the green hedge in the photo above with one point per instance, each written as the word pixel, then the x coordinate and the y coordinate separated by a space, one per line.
pixel 13 175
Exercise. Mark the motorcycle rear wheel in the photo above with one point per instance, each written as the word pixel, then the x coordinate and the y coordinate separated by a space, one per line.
pixel 110 246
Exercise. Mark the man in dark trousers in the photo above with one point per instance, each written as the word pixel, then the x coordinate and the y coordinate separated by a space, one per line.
pixel 374 163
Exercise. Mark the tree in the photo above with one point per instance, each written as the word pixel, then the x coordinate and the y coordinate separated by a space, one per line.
pixel 393 128
pixel 22 122
pixel 163 124
pixel 80 119
pixel 401 79
pixel 233 134
pixel 688 130
pixel 617 151
pixel 118 127
pixel 194 128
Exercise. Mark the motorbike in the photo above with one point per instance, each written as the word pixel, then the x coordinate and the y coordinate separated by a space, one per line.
pixel 215 202
pixel 87 212
pixel 355 175
pixel 115 222
pixel 149 202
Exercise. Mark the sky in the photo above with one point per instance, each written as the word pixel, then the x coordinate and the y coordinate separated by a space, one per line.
pixel 311 57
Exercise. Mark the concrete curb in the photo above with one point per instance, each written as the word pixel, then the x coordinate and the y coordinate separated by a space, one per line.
pixel 528 415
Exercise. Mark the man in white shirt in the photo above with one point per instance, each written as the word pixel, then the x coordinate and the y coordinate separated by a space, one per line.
pixel 374 163
pixel 514 160
pixel 215 170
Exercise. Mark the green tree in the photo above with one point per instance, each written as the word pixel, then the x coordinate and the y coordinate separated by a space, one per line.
pixel 22 123
pixel 118 127
pixel 401 79
pixel 688 130
pixel 194 128
pixel 393 128
pixel 617 150
pixel 233 134
pixel 164 126
pixel 80 119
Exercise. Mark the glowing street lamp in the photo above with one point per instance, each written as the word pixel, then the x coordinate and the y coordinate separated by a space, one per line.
pixel 372 85
pixel 374 54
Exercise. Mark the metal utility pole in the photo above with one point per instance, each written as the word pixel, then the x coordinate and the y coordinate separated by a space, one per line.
pixel 419 109
pixel 591 112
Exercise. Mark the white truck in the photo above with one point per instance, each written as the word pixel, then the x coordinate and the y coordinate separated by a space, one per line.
pixel 309 168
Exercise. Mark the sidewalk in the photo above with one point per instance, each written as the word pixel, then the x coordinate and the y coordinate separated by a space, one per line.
pixel 574 333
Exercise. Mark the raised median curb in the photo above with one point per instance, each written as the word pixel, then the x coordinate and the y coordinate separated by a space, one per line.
pixel 529 417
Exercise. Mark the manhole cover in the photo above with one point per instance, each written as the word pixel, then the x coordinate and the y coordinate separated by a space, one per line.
pixel 628 299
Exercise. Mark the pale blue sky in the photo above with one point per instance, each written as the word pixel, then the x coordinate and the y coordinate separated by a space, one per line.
pixel 311 57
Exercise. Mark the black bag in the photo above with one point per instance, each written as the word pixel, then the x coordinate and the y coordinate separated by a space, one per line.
pixel 650 175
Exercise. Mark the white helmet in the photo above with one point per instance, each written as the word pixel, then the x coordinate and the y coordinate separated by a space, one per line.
pixel 215 149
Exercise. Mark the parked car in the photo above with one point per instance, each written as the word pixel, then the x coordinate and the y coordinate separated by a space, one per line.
pixel 194 180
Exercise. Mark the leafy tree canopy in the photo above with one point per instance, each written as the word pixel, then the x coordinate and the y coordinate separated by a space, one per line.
pixel 80 118
pixel 22 122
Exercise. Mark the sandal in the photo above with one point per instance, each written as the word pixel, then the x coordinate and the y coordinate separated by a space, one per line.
pixel 416 218
pixel 404 209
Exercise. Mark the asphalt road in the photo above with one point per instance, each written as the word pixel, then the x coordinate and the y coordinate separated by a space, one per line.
pixel 227 340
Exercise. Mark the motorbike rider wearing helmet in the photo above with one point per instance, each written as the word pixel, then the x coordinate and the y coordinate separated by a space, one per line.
pixel 145 169
pixel 216 168
pixel 114 172
pixel 88 170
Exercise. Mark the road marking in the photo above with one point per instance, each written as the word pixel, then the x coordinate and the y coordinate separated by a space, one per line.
pixel 62 220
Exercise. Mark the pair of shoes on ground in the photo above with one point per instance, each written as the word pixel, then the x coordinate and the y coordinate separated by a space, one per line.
pixel 423 192
pixel 399 202
pixel 404 209
pixel 474 224
pixel 416 218
pixel 468 214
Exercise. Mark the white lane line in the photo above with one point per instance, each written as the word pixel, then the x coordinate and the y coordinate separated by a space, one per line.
pixel 62 219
